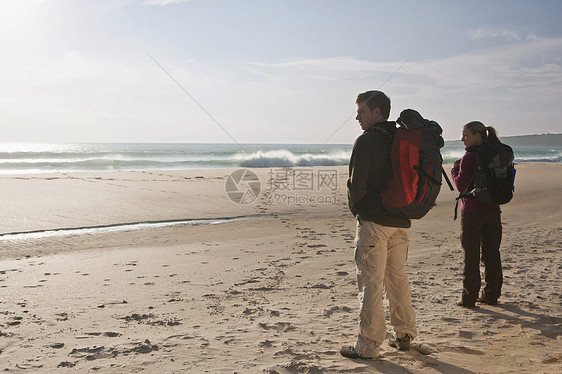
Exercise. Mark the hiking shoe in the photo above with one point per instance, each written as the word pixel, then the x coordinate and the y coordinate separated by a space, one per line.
pixel 403 343
pixel 349 352
pixel 486 301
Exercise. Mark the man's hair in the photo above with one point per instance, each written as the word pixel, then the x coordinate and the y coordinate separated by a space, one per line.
pixel 375 99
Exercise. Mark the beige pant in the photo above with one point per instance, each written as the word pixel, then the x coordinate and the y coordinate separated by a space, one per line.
pixel 380 256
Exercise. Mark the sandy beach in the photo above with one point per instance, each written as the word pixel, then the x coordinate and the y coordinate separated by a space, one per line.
pixel 273 290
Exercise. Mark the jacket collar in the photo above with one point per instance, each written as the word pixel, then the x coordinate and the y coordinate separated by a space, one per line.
pixel 387 127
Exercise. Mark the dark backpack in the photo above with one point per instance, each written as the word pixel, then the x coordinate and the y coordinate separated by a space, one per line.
pixel 493 180
pixel 416 167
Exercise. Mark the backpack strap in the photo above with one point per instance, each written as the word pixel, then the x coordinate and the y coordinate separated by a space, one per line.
pixel 466 193
pixel 390 139
pixel 421 171
pixel 426 174
pixel 447 179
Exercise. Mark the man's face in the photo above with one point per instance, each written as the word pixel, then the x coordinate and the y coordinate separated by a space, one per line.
pixel 365 116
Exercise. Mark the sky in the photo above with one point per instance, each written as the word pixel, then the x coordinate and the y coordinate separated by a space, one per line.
pixel 264 71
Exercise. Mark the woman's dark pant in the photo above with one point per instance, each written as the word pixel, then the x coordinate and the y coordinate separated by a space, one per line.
pixel 481 230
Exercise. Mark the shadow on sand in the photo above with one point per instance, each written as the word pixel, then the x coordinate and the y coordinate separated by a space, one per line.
pixel 384 366
pixel 547 325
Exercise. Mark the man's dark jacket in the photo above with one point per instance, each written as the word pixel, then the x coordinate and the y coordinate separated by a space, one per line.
pixel 368 172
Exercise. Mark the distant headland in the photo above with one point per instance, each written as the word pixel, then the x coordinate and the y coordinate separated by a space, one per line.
pixel 548 140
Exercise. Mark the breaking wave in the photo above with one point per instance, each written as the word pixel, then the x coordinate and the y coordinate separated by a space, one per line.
pixel 285 158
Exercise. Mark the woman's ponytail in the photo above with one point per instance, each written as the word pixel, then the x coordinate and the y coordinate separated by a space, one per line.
pixel 492 135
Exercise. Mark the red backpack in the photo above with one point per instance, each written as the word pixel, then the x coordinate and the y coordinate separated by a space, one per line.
pixel 416 167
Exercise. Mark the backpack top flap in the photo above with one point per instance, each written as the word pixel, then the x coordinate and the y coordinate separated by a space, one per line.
pixel 411 119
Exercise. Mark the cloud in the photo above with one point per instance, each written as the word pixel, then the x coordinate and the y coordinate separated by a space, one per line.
pixel 535 62
pixel 495 80
pixel 313 72
pixel 485 33
pixel 164 2
pixel 532 63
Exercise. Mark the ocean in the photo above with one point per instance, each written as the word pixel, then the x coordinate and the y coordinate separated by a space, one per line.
pixel 31 158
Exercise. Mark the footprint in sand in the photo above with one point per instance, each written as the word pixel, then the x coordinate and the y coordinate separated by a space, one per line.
pixel 466 334
pixel 328 312
pixel 278 326
pixel 266 344
pixel 62 316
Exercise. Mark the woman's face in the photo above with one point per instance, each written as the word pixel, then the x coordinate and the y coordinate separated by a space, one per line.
pixel 469 139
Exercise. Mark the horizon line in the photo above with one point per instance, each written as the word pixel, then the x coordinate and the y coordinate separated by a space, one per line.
pixel 272 143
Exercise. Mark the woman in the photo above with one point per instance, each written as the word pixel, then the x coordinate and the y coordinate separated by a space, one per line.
pixel 481 227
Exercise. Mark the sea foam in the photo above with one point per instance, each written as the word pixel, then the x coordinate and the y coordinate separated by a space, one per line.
pixel 285 158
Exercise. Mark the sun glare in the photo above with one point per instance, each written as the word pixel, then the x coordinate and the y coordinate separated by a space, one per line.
pixel 13 12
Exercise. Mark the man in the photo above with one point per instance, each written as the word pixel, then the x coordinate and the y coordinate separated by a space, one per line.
pixel 381 240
